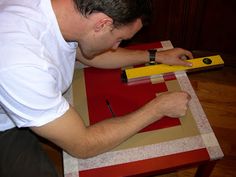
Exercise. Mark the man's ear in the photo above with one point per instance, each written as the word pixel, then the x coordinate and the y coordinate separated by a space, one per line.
pixel 103 24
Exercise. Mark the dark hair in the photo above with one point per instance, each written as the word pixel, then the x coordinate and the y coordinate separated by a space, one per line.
pixel 121 11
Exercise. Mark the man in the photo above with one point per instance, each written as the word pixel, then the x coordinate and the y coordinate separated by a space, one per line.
pixel 39 41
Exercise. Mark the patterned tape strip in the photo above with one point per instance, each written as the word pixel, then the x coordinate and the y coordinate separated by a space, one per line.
pixel 199 115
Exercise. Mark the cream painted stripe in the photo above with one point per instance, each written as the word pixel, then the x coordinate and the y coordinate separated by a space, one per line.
pixel 210 139
pixel 142 153
pixel 212 146
pixel 166 45
pixel 70 164
pixel 194 104
pixel 199 115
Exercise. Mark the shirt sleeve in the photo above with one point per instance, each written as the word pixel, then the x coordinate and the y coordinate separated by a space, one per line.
pixel 31 96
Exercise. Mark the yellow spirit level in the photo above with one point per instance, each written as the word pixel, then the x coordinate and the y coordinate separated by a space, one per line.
pixel 133 74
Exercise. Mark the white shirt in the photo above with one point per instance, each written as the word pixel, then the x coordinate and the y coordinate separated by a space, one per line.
pixel 36 64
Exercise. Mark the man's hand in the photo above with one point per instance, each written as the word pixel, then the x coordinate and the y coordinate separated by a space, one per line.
pixel 171 104
pixel 175 56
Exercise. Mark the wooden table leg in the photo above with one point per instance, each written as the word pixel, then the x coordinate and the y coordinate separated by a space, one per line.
pixel 205 169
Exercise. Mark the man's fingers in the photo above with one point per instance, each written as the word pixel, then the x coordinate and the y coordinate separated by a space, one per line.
pixel 186 63
pixel 188 54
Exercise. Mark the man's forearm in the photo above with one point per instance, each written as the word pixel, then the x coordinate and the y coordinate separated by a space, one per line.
pixel 115 59
pixel 109 133
pixel 124 57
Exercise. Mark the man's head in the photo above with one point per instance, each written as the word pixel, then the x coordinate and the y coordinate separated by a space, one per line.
pixel 121 20
pixel 122 12
pixel 100 25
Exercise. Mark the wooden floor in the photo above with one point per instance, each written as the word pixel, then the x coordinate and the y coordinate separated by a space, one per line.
pixel 216 90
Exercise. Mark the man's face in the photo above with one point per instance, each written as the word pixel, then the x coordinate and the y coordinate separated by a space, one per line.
pixel 108 38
